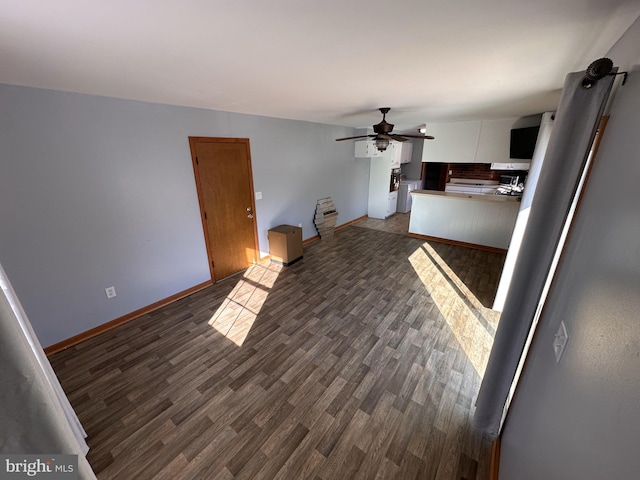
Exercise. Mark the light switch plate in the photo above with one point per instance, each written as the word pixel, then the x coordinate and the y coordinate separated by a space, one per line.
pixel 560 341
pixel 258 195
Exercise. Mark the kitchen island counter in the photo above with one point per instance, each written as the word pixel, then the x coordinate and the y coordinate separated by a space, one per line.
pixel 475 196
pixel 472 219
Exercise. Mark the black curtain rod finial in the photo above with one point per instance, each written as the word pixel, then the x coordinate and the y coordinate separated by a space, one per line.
pixel 598 69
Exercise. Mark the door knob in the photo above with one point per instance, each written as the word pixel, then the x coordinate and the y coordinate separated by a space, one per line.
pixel 248 209
pixel 250 215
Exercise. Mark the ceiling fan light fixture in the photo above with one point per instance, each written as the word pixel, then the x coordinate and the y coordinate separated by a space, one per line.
pixel 382 133
pixel 382 144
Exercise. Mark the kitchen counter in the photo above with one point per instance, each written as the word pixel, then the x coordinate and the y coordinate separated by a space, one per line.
pixel 475 196
pixel 476 219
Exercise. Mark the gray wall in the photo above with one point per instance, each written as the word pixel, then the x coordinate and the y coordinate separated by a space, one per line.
pixel 578 419
pixel 413 169
pixel 98 191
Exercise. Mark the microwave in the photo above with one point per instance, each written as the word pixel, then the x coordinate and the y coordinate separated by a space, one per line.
pixel 512 180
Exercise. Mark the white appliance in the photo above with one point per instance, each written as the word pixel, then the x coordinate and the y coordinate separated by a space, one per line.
pixel 477 187
pixel 404 194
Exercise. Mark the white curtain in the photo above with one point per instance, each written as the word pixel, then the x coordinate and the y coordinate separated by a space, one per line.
pixel 35 414
pixel 576 122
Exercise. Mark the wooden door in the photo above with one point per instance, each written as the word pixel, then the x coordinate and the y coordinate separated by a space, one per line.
pixel 224 182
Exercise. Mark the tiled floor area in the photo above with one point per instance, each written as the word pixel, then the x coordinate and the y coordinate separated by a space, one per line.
pixel 396 223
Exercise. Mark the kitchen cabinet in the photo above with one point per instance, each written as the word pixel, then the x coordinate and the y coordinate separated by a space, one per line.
pixel 454 142
pixel 383 203
pixel 405 151
pixel 399 154
pixel 366 149
pixel 379 185
pixel 395 149
pixel 477 141
pixel 511 166
pixel 493 144
pixel 392 205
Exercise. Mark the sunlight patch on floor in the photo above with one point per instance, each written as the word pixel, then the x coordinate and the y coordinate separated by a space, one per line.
pixel 235 317
pixel 458 305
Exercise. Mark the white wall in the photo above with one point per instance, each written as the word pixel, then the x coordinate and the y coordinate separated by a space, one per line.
pixel 98 191
pixel 579 419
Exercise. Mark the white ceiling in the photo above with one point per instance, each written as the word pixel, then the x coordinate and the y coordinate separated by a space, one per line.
pixel 328 61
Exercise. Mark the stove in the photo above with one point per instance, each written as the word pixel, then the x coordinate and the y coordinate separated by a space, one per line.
pixel 473 186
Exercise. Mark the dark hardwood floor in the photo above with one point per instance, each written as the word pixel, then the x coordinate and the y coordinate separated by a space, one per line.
pixel 363 361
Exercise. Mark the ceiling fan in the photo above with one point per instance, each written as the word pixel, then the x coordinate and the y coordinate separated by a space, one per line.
pixel 383 133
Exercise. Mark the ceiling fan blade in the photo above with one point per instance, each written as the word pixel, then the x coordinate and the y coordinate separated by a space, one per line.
pixel 425 137
pixel 352 138
pixel 398 138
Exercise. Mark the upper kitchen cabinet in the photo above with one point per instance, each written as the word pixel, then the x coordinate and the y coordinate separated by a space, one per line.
pixel 393 154
pixel 478 141
pixel 395 149
pixel 454 142
pixel 495 136
pixel 366 149
pixel 406 151
pixel 402 152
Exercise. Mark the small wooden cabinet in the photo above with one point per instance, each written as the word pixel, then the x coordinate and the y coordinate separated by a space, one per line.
pixel 285 244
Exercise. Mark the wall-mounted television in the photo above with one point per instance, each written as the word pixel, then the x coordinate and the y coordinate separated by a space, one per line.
pixel 523 142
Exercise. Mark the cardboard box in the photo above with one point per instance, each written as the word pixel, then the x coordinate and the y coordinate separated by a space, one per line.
pixel 285 244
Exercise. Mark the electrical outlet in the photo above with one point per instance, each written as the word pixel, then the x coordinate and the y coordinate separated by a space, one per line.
pixel 110 291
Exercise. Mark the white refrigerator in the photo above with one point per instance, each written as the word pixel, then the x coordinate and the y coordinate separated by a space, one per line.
pixel 404 194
